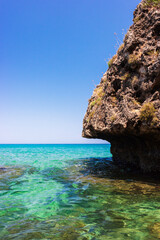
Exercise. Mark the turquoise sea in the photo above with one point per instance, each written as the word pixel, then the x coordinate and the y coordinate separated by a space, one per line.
pixel 73 192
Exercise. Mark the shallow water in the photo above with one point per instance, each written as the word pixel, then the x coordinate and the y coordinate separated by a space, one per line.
pixel 70 192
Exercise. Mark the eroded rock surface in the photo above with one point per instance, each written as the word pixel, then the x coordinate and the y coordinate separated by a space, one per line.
pixel 125 107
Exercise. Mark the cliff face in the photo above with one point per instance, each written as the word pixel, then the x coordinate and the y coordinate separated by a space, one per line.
pixel 125 107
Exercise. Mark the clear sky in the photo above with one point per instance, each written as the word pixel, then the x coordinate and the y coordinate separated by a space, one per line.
pixel 52 54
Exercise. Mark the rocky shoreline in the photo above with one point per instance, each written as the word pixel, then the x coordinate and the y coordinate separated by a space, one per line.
pixel 125 107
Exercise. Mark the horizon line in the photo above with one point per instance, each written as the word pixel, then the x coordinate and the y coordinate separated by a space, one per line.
pixel 51 143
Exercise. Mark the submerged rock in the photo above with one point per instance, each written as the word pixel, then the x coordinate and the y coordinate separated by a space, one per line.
pixel 55 173
pixel 125 107
pixel 11 172
pixel 155 230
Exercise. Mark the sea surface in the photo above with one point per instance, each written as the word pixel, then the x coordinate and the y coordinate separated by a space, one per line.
pixel 74 192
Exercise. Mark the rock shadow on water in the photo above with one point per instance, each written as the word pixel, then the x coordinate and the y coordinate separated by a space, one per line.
pixel 109 200
pixel 106 168
pixel 105 171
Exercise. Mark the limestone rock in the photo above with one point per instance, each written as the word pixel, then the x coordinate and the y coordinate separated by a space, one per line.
pixel 125 107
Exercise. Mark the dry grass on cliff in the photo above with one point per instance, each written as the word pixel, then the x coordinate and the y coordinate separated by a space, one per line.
pixel 153 53
pixel 147 112
pixel 111 61
pixel 113 118
pixel 92 103
pixel 134 58
pixel 91 114
pixel 136 19
pixel 99 92
pixel 152 3
pixel 125 76
pixel 95 102
pixel 120 48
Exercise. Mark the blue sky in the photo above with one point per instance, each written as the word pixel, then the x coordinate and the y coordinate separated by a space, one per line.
pixel 52 54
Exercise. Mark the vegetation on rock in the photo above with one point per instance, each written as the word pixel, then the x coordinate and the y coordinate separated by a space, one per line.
pixel 99 92
pixel 147 112
pixel 120 48
pixel 153 53
pixel 110 62
pixel 92 103
pixel 150 3
pixel 133 58
pixel 113 118
pixel 125 76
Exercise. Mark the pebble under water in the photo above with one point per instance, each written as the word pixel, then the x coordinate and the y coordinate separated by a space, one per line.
pixel 74 192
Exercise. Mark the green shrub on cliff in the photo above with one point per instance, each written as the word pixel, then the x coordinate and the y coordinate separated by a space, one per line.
pixel 120 48
pixel 136 19
pixel 99 92
pixel 92 103
pixel 97 102
pixel 133 58
pixel 91 114
pixel 110 62
pixel 125 76
pixel 113 118
pixel 147 112
pixel 153 53
pixel 152 3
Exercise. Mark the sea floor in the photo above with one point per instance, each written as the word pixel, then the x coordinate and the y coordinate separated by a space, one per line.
pixel 59 192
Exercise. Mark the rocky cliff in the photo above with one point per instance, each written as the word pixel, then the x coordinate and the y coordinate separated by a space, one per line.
pixel 125 107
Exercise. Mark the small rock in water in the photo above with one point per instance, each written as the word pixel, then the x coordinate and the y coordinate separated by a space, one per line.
pixel 155 230
pixel 11 172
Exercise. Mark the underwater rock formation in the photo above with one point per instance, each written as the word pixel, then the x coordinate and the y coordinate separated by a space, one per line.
pixel 125 107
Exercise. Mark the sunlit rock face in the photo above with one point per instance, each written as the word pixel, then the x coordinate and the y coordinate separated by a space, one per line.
pixel 125 107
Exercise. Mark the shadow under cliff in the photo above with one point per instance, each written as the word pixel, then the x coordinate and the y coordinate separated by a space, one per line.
pixel 106 168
